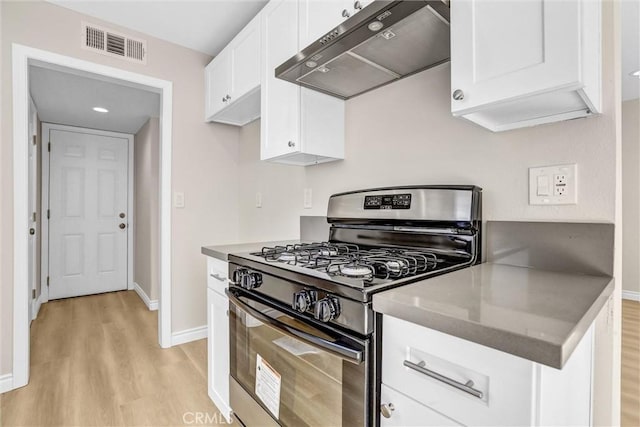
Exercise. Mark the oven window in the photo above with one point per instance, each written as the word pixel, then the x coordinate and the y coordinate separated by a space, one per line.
pixel 317 388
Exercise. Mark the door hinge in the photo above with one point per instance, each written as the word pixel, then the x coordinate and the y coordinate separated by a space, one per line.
pixel 35 140
pixel 49 147
pixel 47 281
pixel 33 294
pixel 33 217
pixel 48 214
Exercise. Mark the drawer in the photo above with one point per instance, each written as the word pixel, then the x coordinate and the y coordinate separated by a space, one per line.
pixel 506 382
pixel 217 272
pixel 407 412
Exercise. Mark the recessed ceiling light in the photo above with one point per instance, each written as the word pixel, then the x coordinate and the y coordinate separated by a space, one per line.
pixel 100 109
pixel 635 73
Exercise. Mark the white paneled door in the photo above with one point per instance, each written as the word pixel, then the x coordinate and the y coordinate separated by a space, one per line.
pixel 88 193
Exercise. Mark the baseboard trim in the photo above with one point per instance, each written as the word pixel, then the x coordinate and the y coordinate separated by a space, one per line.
pixel 6 383
pixel 152 305
pixel 36 304
pixel 632 295
pixel 188 335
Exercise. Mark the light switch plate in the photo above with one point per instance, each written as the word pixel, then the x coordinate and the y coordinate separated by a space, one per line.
pixel 178 200
pixel 553 185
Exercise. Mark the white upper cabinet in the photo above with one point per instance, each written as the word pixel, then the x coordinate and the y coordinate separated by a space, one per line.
pixel 245 54
pixel 217 83
pixel 522 63
pixel 298 126
pixel 280 123
pixel 232 79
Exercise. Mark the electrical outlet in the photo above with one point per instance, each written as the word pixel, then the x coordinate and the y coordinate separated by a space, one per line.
pixel 553 185
pixel 559 190
pixel 560 179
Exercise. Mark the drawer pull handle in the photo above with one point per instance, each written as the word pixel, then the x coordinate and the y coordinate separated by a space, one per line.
pixel 386 409
pixel 466 387
pixel 217 277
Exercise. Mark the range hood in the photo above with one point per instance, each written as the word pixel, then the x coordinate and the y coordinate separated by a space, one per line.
pixel 384 42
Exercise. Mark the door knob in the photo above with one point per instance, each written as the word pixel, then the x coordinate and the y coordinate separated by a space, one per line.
pixel 32 231
pixel 122 226
pixel 122 215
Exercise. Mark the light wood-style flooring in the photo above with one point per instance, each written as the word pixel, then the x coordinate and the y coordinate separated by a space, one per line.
pixel 95 361
pixel 630 381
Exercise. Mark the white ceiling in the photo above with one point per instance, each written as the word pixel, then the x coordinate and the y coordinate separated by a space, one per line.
pixel 630 22
pixel 68 99
pixel 206 25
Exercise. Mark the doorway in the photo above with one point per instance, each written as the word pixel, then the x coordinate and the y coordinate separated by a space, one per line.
pixel 23 57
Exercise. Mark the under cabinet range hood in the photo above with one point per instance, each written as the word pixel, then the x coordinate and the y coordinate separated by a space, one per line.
pixel 384 42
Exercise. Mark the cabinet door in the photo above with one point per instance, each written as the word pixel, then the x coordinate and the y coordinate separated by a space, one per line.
pixel 245 54
pixel 217 83
pixel 503 50
pixel 218 351
pixel 280 121
pixel 318 17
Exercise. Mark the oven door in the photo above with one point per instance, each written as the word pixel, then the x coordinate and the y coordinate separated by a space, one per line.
pixel 300 374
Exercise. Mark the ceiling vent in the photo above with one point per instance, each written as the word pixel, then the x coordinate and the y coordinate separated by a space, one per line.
pixel 112 43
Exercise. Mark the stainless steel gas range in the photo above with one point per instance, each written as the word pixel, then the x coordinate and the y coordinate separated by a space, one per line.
pixel 305 342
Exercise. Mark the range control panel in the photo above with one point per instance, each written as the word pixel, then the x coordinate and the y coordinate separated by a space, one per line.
pixel 395 201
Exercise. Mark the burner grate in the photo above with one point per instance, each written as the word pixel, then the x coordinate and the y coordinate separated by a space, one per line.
pixel 351 261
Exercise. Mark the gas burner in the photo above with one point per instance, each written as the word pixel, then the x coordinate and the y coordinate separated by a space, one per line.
pixel 352 270
pixel 355 270
pixel 287 257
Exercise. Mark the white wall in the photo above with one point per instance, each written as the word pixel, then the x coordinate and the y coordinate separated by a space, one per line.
pixel 281 189
pixel 146 206
pixel 204 155
pixel 631 196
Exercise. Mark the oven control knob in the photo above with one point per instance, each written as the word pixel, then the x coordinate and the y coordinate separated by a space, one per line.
pixel 327 309
pixel 250 280
pixel 304 300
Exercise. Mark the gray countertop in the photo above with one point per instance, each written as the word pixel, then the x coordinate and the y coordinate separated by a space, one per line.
pixel 535 314
pixel 222 251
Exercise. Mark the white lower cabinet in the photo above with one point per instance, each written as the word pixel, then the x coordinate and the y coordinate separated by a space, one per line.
pixel 218 336
pixel 469 384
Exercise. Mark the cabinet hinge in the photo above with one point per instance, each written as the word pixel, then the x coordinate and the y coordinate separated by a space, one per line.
pixel 47 281
pixel 35 140
pixel 33 217
pixel 49 147
pixel 48 214
pixel 33 294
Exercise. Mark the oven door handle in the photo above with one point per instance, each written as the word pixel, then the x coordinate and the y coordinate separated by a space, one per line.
pixel 344 352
